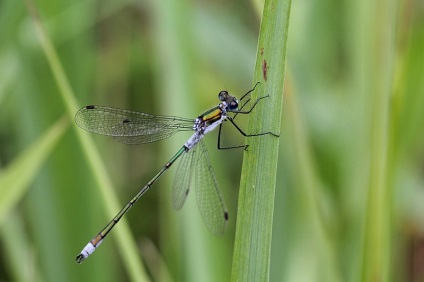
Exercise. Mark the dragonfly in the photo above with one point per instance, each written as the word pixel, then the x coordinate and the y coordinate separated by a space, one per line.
pixel 131 127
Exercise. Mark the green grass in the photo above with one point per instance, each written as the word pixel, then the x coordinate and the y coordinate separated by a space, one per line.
pixel 379 69
pixel 344 203
pixel 104 183
pixel 16 177
pixel 251 259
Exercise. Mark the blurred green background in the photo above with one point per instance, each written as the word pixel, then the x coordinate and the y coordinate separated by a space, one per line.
pixel 173 57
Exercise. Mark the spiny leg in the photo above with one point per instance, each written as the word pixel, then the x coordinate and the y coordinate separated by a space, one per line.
pixel 253 106
pixel 251 135
pixel 251 90
pixel 227 148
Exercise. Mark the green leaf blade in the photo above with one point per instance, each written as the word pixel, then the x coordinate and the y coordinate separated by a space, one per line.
pixel 257 188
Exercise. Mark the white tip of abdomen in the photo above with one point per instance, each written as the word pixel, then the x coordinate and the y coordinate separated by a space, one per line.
pixel 88 250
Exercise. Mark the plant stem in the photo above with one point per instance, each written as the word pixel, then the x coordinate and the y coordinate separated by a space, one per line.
pixel 257 188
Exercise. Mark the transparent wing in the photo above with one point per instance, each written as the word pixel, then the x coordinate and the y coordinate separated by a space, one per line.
pixel 183 179
pixel 128 126
pixel 209 198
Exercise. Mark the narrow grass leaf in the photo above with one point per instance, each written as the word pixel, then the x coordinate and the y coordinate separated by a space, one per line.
pixel 126 242
pixel 15 179
pixel 257 188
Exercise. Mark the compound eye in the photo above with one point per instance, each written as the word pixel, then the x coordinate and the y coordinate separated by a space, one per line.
pixel 233 105
pixel 223 95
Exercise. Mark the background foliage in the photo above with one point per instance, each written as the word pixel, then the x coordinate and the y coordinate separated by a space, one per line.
pixel 352 125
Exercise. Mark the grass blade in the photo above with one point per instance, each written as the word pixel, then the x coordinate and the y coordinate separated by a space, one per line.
pixel 379 73
pixel 126 242
pixel 257 188
pixel 15 179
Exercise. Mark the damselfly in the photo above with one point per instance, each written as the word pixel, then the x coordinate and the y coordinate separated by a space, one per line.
pixel 135 128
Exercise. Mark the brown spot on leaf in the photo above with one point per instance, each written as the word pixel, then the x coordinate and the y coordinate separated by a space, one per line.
pixel 265 70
